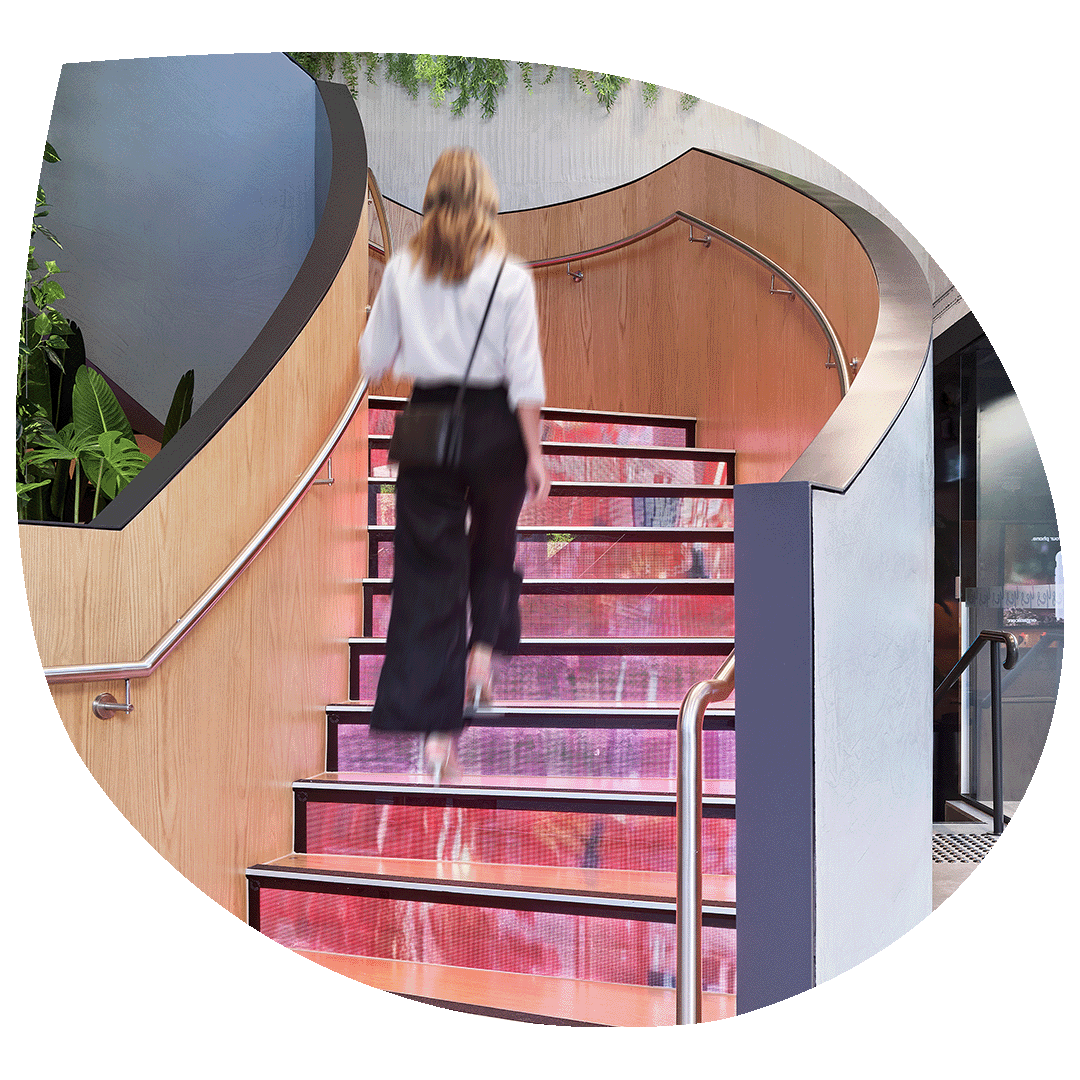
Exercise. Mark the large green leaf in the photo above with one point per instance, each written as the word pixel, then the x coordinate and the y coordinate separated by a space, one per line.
pixel 94 408
pixel 111 464
pixel 180 410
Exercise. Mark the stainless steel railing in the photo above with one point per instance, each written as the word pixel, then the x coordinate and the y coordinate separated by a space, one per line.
pixel 105 704
pixel 688 831
pixel 836 349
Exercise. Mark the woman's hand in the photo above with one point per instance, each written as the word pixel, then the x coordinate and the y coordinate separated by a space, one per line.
pixel 537 481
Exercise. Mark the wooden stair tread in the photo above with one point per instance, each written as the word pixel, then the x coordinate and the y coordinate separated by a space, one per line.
pixel 647 885
pixel 577 708
pixel 660 489
pixel 604 646
pixel 396 401
pixel 650 586
pixel 641 533
pixel 540 996
pixel 561 448
pixel 632 785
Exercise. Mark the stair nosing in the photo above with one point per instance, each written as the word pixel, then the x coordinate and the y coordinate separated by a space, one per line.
pixel 474 790
pixel 679 533
pixel 666 641
pixel 558 448
pixel 644 709
pixel 705 584
pixel 661 902
pixel 621 487
pixel 393 400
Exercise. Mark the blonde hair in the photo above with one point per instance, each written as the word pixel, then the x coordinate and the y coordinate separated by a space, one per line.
pixel 460 207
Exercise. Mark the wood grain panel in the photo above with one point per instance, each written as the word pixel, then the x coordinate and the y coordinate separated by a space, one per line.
pixel 667 326
pixel 202 766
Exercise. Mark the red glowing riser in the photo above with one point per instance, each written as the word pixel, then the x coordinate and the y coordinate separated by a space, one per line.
pixel 571 559
pixel 574 680
pixel 609 616
pixel 605 470
pixel 587 511
pixel 492 939
pixel 512 837
pixel 381 422
pixel 541 751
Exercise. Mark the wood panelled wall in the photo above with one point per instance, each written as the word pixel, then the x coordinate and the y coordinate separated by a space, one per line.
pixel 668 326
pixel 203 766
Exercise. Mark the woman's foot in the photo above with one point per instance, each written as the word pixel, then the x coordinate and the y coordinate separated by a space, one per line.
pixel 440 757
pixel 478 679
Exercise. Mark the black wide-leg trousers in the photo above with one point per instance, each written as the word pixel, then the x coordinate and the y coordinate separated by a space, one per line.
pixel 455 542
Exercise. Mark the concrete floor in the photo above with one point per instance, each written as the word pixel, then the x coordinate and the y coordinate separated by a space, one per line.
pixel 949 876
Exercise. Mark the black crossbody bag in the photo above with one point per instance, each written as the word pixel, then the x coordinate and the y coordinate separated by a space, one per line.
pixel 432 435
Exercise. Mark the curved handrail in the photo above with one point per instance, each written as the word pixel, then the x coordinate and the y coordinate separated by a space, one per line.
pixel 835 347
pixel 688 831
pixel 380 212
pixel 149 663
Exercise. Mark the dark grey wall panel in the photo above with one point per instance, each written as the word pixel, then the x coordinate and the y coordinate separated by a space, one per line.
pixel 185 200
pixel 774 740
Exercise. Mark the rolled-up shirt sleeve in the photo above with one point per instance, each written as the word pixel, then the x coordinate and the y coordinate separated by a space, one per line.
pixel 524 362
pixel 381 340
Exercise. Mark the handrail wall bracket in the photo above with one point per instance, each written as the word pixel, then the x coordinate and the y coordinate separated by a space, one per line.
pixel 105 704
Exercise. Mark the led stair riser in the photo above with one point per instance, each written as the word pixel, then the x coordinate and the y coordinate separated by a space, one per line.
pixel 525 866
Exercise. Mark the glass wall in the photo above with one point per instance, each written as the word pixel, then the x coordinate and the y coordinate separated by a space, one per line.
pixel 999 568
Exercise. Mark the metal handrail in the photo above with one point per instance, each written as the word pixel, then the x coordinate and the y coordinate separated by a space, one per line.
pixel 995 639
pixel 688 830
pixel 140 669
pixel 835 347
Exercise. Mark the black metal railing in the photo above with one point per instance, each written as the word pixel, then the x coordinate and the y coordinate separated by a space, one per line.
pixel 995 639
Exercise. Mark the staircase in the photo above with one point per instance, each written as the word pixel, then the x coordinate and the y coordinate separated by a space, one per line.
pixel 541 885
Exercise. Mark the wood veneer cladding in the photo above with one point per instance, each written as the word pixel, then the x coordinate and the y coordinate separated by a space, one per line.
pixel 236 713
pixel 667 326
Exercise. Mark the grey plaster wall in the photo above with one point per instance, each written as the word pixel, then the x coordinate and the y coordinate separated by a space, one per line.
pixel 873 552
pixel 185 201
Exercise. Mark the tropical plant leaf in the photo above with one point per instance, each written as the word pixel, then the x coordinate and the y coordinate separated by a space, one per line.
pixel 94 408
pixel 62 445
pixel 180 409
pixel 111 462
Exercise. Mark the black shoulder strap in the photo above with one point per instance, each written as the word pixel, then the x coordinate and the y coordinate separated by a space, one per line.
pixel 479 333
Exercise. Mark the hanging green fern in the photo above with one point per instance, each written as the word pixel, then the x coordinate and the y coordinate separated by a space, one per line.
pixel 348 71
pixel 470 78
pixel 607 88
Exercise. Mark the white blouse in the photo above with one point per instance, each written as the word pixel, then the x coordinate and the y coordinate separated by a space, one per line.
pixel 426 328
